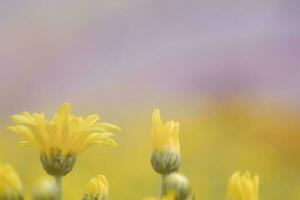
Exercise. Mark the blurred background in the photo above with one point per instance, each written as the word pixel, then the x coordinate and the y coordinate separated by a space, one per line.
pixel 228 71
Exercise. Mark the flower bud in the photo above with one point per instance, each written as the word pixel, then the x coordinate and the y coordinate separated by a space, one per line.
pixel 166 147
pixel 57 164
pixel 45 189
pixel 97 189
pixel 10 183
pixel 166 161
pixel 243 187
pixel 178 185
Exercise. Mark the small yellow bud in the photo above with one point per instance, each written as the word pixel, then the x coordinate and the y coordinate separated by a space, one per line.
pixel 45 189
pixel 97 189
pixel 10 183
pixel 164 135
pixel 243 187
pixel 176 186
pixel 165 157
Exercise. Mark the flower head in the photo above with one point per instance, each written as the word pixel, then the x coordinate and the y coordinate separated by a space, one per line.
pixel 10 183
pixel 164 134
pixel 165 157
pixel 243 187
pixel 97 189
pixel 60 139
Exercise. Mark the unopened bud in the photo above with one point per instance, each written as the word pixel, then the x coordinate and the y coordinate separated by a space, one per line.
pixel 178 185
pixel 166 160
pixel 97 189
pixel 10 183
pixel 243 186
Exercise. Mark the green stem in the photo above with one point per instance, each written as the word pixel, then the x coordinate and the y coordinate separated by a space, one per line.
pixel 162 185
pixel 59 187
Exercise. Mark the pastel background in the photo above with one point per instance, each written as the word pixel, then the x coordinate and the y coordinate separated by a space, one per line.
pixel 229 71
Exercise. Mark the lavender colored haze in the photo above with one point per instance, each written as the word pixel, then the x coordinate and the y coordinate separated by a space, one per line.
pixel 53 51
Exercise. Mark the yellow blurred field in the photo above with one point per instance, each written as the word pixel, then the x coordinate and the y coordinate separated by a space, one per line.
pixel 216 140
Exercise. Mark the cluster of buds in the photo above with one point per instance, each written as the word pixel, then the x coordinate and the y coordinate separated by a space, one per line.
pixel 166 159
pixel 61 139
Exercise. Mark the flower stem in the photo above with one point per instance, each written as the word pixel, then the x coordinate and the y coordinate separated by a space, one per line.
pixel 59 187
pixel 162 186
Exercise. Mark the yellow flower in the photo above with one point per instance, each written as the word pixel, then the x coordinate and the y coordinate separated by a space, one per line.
pixel 60 139
pixel 10 183
pixel 97 189
pixel 66 132
pixel 164 134
pixel 243 187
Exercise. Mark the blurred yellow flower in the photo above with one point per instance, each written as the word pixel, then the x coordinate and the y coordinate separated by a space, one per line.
pixel 10 183
pixel 60 139
pixel 164 135
pixel 66 132
pixel 243 187
pixel 97 189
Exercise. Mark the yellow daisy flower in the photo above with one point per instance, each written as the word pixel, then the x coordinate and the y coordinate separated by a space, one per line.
pixel 243 187
pixel 63 137
pixel 97 189
pixel 10 183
